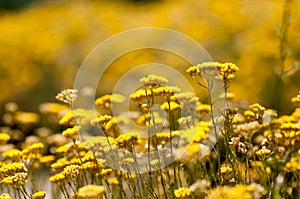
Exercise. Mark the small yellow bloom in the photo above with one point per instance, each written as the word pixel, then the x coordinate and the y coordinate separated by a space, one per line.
pixel 263 153
pixel 4 138
pixel 153 80
pixel 5 196
pixel 57 178
pixel 47 159
pixel 113 181
pixel 19 179
pixel 107 100
pixel 71 133
pixel 126 141
pixel 26 117
pixel 10 169
pixel 52 108
pixel 182 192
pixel 293 165
pixel 13 154
pixel 71 171
pixel 171 105
pixel 225 170
pixel 90 192
pixel 39 195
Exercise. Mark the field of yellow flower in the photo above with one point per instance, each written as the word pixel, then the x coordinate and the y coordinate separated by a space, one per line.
pixel 238 143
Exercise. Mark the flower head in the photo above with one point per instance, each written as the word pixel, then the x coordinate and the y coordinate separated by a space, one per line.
pixel 67 96
pixel 39 195
pixel 182 192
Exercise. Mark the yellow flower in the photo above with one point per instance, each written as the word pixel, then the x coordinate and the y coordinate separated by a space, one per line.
pixel 7 180
pixel 293 165
pixel 26 117
pixel 102 120
pixel 153 80
pixel 5 196
pixel 296 101
pixel 65 149
pixel 10 169
pixel 19 179
pixel 166 91
pixel 4 138
pixel 60 163
pixel 193 71
pixel 32 152
pixel 182 192
pixel 57 178
pixel 225 170
pixel 113 181
pixel 127 162
pixel 104 172
pixel 36 147
pixel 200 135
pixel 13 154
pixel 107 100
pixel 171 105
pixel 71 133
pixel 237 192
pixel 126 141
pixel 71 171
pixel 77 116
pixel 39 195
pixel 52 108
pixel 141 94
pixel 263 153
pixel 90 192
pixel 257 109
pixel 249 115
pixel 47 159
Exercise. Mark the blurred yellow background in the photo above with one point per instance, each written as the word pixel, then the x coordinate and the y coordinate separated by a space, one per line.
pixel 43 43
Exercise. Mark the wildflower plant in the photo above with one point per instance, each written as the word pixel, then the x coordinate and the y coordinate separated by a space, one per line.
pixel 170 143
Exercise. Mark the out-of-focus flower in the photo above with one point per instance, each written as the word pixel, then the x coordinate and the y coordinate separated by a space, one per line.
pixel 47 159
pixel 52 108
pixel 39 195
pixel 26 117
pixel 11 107
pixel 5 196
pixel 113 181
pixel 293 165
pixel 90 192
pixel 236 192
pixel 13 154
pixel 4 138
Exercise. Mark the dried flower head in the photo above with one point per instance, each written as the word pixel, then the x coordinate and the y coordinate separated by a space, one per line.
pixel 67 96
